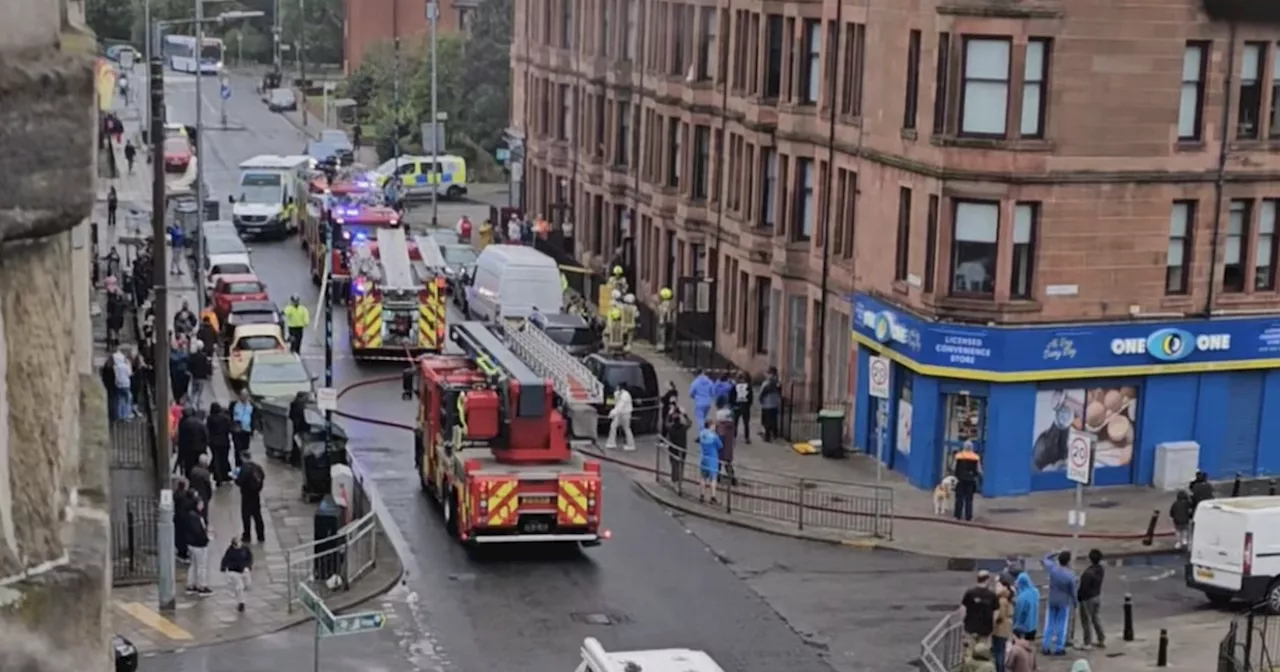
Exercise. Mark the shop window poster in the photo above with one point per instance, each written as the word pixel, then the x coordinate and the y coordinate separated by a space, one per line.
pixel 1110 414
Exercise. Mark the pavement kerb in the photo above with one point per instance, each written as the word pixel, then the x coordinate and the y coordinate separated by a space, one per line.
pixel 355 598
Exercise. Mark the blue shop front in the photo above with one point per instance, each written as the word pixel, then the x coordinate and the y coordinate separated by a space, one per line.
pixel 1016 393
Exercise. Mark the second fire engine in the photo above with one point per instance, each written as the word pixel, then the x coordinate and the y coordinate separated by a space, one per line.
pixel 396 304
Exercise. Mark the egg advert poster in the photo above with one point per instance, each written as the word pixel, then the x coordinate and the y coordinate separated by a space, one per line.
pixel 1109 414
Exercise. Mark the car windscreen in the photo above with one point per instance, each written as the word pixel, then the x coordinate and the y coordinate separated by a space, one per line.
pixel 283 371
pixel 230 269
pixel 253 317
pixel 244 288
pixel 459 255
pixel 176 145
pixel 641 380
pixel 570 335
pixel 260 188
pixel 258 343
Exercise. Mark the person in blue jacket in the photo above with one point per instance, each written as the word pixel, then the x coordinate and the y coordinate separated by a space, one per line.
pixel 723 386
pixel 1026 607
pixel 709 442
pixel 1062 596
pixel 703 392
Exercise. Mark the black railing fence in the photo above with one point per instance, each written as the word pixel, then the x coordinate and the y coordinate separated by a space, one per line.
pixel 133 540
pixel 1252 643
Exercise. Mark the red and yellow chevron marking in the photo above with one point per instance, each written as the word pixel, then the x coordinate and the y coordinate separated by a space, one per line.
pixel 367 323
pixel 501 504
pixel 439 300
pixel 430 325
pixel 571 502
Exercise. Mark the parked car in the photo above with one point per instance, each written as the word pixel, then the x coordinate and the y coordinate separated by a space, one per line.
pixel 250 312
pixel 460 263
pixel 273 375
pixel 281 100
pixel 640 378
pixel 231 289
pixel 246 342
pixel 571 332
pixel 177 154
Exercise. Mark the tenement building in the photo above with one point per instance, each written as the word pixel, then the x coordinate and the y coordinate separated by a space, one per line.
pixel 1046 228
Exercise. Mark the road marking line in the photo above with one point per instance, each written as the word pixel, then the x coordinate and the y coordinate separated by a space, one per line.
pixel 155 621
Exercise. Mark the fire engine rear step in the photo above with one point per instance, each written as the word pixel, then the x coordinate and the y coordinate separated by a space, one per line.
pixel 572 380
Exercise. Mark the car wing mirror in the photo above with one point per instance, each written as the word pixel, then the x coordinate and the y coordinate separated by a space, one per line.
pixel 231 199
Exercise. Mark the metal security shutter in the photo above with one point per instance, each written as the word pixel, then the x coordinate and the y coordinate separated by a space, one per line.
pixel 1240 440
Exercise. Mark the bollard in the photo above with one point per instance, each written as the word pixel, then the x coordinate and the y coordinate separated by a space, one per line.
pixel 1271 487
pixel 1162 653
pixel 1128 617
pixel 406 382
pixel 1235 486
pixel 1150 536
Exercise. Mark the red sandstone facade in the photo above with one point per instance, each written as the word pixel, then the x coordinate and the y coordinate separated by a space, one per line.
pixel 369 22
pixel 1031 162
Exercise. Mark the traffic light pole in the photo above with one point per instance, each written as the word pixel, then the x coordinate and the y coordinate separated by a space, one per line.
pixel 433 16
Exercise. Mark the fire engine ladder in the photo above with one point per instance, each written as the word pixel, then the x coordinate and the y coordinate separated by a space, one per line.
pixel 572 380
pixel 362 263
pixel 426 265
pixel 393 250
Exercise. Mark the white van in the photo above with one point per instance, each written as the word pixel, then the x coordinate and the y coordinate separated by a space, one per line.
pixel 267 184
pixel 596 659
pixel 1235 551
pixel 512 280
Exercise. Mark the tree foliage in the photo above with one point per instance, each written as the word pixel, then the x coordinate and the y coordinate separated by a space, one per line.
pixel 110 19
pixel 473 88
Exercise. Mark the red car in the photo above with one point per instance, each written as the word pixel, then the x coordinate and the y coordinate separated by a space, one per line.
pixel 177 154
pixel 236 288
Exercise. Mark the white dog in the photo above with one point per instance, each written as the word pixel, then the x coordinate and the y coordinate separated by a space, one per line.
pixel 944 496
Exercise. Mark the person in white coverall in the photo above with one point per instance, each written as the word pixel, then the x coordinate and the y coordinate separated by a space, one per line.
pixel 620 416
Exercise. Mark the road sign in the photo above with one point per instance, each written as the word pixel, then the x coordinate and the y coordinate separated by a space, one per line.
pixel 316 607
pixel 327 399
pixel 354 624
pixel 225 91
pixel 878 377
pixel 1079 457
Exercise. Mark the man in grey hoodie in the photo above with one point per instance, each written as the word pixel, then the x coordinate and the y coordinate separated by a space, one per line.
pixel 770 399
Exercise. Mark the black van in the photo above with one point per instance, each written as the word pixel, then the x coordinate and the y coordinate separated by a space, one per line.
pixel 640 378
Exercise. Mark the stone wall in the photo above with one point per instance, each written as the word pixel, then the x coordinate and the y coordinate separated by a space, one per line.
pixel 54 532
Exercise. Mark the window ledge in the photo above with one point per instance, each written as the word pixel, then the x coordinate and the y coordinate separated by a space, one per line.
pixel 850 120
pixel 1178 302
pixel 1262 298
pixel 909 134
pixel 1267 145
pixel 1188 146
pixel 901 287
pixel 1006 144
pixel 974 305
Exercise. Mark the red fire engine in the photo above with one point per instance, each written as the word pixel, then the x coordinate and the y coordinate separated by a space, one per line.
pixel 396 305
pixel 494 446
pixel 353 221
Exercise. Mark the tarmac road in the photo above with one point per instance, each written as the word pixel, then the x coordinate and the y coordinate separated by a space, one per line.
pixel 653 585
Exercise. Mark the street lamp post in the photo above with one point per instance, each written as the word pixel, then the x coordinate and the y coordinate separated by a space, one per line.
pixel 433 15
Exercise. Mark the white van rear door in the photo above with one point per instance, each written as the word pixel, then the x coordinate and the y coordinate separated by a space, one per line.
pixel 1218 546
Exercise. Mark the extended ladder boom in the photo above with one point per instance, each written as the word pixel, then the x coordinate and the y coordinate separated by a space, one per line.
pixel 393 251
pixel 572 380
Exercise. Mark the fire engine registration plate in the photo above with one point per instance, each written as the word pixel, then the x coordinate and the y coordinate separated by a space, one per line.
pixel 1204 573
pixel 536 500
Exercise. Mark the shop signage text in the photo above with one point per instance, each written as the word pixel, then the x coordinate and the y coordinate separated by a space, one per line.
pixel 1129 349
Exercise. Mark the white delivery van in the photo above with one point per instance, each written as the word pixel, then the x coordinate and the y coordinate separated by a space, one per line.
pixel 596 659
pixel 512 280
pixel 1235 551
pixel 267 184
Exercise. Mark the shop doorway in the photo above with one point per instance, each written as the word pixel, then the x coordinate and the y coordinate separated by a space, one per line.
pixel 964 419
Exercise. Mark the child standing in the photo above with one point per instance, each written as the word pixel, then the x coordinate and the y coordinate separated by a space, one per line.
pixel 1181 512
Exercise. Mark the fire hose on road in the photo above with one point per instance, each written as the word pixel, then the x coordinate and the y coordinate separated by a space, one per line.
pixel 649 469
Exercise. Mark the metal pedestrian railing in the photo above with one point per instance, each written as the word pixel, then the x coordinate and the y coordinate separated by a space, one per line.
pixel 864 509
pixel 131 441
pixel 332 564
pixel 134 550
pixel 1252 644
pixel 942 650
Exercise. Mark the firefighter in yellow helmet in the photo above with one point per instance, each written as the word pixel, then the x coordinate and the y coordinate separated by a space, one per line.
pixel 614 332
pixel 666 318
pixel 618 281
pixel 486 233
pixel 630 315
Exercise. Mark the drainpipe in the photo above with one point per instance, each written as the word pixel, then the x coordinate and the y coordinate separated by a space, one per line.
pixel 720 188
pixel 820 320
pixel 638 61
pixel 1221 178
